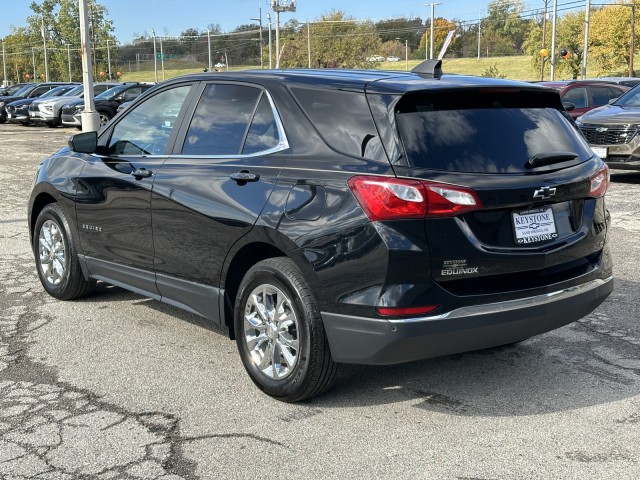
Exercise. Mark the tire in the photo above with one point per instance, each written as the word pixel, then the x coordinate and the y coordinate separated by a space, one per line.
pixel 287 358
pixel 56 256
pixel 104 118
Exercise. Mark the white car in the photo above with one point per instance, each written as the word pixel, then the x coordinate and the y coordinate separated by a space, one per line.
pixel 375 58
pixel 220 65
pixel 393 58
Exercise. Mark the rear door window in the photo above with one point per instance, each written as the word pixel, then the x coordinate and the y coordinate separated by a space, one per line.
pixel 577 96
pixel 482 131
pixel 231 120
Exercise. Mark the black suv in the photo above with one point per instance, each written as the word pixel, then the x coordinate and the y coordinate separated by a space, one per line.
pixel 106 103
pixel 328 216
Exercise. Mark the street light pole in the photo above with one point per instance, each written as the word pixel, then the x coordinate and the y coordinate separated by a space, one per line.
pixel 433 9
pixel 33 60
pixel 406 54
pixel 155 55
pixel 209 49
pixel 44 41
pixel 162 58
pixel 553 41
pixel 587 17
pixel 269 31
pixel 5 82
pixel 69 59
pixel 90 118
pixel 108 60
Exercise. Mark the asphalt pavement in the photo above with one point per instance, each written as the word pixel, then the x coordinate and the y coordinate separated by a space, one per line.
pixel 117 386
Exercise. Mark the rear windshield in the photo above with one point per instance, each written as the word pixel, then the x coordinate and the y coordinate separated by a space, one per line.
pixel 483 132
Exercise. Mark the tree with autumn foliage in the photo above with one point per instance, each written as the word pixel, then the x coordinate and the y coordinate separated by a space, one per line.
pixel 441 28
pixel 610 37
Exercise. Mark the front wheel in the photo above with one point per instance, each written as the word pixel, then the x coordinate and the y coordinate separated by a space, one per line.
pixel 104 118
pixel 56 257
pixel 279 333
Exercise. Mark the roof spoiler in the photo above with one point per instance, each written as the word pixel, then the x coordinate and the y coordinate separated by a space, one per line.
pixel 429 68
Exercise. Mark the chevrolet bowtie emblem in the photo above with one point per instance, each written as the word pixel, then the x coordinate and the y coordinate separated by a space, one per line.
pixel 544 192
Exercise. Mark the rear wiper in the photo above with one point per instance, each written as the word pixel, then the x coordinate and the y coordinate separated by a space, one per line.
pixel 540 159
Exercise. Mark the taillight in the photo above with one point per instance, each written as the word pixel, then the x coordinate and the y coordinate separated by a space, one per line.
pixel 390 198
pixel 599 182
pixel 404 311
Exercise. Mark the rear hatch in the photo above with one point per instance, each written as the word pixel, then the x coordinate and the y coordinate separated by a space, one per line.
pixel 539 218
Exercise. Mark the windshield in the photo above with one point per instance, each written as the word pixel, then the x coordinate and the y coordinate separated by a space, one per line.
pixel 54 92
pixel 630 98
pixel 111 93
pixel 74 92
pixel 483 132
pixel 24 91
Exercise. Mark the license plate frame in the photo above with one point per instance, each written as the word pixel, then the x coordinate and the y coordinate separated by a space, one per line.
pixel 602 152
pixel 534 226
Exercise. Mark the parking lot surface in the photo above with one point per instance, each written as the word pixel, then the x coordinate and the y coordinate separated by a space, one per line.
pixel 120 386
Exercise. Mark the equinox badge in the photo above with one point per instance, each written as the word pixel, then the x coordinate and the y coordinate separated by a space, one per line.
pixel 544 192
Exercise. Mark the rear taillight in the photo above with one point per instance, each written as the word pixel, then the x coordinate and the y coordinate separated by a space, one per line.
pixel 406 311
pixel 599 182
pixel 390 198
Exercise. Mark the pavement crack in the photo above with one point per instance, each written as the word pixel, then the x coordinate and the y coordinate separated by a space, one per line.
pixel 233 435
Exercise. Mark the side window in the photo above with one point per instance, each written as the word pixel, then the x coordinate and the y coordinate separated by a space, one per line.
pixel 577 96
pixel 39 91
pixel 221 120
pixel 343 119
pixel 145 129
pixel 263 132
pixel 613 93
pixel 600 96
pixel 131 94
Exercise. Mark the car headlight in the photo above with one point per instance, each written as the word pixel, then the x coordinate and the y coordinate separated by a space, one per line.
pixel 1 104
pixel 48 108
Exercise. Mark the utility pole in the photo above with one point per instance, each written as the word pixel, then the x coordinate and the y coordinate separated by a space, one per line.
pixel 479 31
pixel 433 9
pixel 281 6
pixel 544 37
pixel 587 17
pixel 309 42
pixel 633 32
pixel 553 40
pixel 259 19
pixel 162 58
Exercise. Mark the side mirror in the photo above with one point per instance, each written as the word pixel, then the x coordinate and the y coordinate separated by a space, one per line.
pixel 568 106
pixel 85 142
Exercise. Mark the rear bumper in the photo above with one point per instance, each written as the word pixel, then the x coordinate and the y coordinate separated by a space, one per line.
pixel 380 341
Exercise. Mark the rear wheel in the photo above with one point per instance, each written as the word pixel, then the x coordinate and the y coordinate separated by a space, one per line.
pixel 279 333
pixel 56 256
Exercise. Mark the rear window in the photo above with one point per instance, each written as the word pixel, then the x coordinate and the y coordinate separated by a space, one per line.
pixel 482 132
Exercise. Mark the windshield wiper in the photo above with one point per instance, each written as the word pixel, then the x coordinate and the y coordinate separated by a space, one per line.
pixel 547 158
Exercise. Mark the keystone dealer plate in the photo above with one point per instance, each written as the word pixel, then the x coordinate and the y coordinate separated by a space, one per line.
pixel 533 226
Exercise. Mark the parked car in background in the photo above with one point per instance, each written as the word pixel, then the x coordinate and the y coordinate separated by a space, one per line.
pixel 626 81
pixel 580 96
pixel 31 90
pixel 48 111
pixel 375 58
pixel 8 91
pixel 613 131
pixel 18 111
pixel 393 58
pixel 106 103
pixel 327 216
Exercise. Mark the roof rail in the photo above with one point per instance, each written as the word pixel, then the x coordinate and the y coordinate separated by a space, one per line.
pixel 429 68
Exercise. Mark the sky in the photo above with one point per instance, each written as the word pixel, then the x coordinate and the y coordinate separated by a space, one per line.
pixel 171 17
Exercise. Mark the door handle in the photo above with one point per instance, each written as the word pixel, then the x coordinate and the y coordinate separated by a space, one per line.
pixel 141 173
pixel 244 176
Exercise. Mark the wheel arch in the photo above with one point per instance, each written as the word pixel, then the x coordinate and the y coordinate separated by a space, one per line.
pixel 39 202
pixel 241 261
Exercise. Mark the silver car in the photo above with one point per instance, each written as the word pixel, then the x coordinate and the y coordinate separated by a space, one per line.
pixel 48 110
pixel 613 131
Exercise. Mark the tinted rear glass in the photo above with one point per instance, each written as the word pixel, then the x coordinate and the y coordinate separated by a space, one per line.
pixel 482 132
